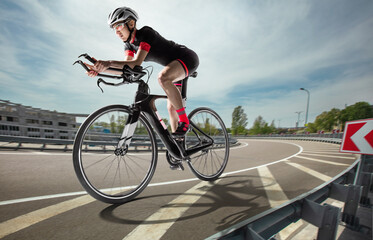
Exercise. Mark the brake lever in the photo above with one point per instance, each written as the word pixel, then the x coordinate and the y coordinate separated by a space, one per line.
pixel 100 80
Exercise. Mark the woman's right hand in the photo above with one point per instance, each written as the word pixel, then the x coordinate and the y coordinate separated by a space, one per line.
pixel 91 73
pixel 99 66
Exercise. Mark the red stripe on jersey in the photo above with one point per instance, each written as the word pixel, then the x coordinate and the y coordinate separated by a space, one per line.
pixel 129 53
pixel 185 67
pixel 134 36
pixel 145 46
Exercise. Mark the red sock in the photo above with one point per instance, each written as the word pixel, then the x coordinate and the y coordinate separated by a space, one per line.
pixel 182 115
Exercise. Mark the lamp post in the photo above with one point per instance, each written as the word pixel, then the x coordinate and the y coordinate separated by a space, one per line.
pixel 308 103
pixel 297 125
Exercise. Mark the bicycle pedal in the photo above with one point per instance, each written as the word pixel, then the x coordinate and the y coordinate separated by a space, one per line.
pixel 177 167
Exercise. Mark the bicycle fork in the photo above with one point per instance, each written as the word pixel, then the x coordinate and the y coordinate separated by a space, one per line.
pixel 128 131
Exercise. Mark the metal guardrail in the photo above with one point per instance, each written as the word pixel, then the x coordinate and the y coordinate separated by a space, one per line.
pixel 47 143
pixel 311 135
pixel 351 187
pixel 300 138
pixel 324 137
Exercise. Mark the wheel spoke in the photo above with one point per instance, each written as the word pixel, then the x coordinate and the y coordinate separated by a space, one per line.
pixel 109 174
pixel 209 163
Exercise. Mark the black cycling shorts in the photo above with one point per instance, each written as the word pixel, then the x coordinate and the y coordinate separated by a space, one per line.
pixel 189 62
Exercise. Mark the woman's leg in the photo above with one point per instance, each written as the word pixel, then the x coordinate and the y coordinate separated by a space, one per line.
pixel 174 118
pixel 173 72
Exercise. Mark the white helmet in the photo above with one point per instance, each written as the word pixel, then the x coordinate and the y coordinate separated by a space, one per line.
pixel 121 15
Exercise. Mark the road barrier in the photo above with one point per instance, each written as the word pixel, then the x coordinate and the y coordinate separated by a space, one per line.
pixel 42 144
pixel 351 187
pixel 328 137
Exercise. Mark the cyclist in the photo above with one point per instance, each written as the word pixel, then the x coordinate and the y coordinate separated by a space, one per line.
pixel 146 44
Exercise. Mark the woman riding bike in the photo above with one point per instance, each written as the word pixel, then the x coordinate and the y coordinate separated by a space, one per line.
pixel 146 44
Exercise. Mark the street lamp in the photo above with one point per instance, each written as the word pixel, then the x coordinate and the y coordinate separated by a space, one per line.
pixel 308 103
pixel 297 125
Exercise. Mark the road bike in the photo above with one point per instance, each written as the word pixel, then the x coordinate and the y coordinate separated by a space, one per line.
pixel 115 150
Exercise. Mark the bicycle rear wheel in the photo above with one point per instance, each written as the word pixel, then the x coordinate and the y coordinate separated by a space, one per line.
pixel 108 173
pixel 207 128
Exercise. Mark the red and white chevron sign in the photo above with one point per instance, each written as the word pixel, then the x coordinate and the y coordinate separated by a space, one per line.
pixel 358 137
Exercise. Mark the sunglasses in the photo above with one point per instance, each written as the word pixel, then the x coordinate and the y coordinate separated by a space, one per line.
pixel 119 26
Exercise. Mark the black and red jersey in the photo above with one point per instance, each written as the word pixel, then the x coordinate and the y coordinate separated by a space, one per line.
pixel 161 50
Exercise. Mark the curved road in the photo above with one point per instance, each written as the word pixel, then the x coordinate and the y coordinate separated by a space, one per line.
pixel 41 197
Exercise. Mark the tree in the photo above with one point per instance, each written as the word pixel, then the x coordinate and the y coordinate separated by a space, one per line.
pixel 261 127
pixel 336 118
pixel 239 121
pixel 360 110
pixel 328 121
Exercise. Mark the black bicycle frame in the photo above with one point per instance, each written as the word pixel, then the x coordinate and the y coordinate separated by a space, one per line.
pixel 145 103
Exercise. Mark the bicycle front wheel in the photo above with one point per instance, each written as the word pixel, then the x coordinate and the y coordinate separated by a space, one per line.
pixel 208 128
pixel 108 172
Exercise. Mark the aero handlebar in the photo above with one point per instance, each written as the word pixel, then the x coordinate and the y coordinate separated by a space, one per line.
pixel 128 74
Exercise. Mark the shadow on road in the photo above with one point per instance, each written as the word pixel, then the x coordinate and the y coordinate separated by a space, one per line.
pixel 230 201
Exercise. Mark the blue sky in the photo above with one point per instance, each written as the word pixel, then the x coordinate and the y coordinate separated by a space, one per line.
pixel 253 53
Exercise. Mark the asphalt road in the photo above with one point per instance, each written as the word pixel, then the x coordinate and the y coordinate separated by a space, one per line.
pixel 41 197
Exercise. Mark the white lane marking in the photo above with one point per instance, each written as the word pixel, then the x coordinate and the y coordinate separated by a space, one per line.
pixel 24 221
pixel 30 199
pixel 264 165
pixel 329 156
pixel 21 200
pixel 276 196
pixel 318 175
pixel 173 210
pixel 323 161
pixel 275 193
pixel 328 152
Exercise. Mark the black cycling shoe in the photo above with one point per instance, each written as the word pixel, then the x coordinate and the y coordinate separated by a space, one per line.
pixel 181 130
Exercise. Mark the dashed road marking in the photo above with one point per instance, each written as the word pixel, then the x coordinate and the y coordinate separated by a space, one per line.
pixel 24 221
pixel 329 156
pixel 275 194
pixel 328 152
pixel 323 161
pixel 318 175
pixel 177 208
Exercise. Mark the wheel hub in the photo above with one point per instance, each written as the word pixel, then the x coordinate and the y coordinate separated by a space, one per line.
pixel 120 151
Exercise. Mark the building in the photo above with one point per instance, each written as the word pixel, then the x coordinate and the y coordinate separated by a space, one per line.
pixel 20 120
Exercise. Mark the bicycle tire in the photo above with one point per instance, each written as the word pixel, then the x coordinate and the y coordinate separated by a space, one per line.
pixel 95 159
pixel 208 164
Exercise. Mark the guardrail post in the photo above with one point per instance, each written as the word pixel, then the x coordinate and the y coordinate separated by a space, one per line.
pixel 325 217
pixel 364 178
pixel 350 195
pixel 252 235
